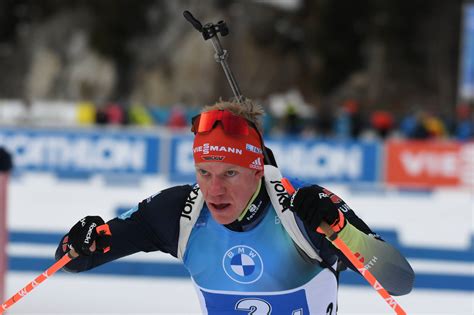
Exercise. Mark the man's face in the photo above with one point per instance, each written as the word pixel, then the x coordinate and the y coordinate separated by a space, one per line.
pixel 226 188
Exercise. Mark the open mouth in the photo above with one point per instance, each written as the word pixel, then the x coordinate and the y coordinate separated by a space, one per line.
pixel 220 206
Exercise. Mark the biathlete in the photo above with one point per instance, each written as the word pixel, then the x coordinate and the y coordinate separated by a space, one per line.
pixel 249 248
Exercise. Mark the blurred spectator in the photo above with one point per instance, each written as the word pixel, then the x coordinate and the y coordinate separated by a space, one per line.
pixel 292 112
pixel 177 117
pixel 292 122
pixel 324 122
pixel 382 122
pixel 423 125
pixel 101 116
pixel 434 125
pixel 115 114
pixel 86 113
pixel 464 127
pixel 159 114
pixel 139 115
pixel 348 123
pixel 342 124
pixel 110 114
pixel 409 124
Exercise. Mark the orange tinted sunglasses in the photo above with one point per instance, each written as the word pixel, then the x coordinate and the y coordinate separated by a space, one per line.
pixel 231 123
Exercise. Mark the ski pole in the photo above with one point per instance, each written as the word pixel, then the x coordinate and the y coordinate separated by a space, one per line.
pixel 72 254
pixel 38 280
pixel 340 244
pixel 210 31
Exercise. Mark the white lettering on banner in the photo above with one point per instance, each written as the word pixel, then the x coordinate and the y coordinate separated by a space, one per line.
pixel 61 152
pixel 319 160
pixel 444 164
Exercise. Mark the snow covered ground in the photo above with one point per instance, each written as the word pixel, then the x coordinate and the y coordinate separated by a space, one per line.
pixel 84 294
pixel 434 230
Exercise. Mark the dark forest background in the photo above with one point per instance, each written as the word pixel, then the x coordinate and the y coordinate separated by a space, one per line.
pixel 384 53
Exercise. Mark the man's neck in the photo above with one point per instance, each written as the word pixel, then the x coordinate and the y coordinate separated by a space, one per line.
pixel 253 212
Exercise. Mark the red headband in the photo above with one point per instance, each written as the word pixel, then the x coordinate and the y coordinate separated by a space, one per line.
pixel 217 146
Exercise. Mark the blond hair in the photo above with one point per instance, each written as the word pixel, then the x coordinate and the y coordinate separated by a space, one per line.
pixel 247 108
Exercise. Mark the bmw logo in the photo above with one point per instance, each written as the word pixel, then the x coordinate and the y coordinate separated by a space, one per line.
pixel 243 264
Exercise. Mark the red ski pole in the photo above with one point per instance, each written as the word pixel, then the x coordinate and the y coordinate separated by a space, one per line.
pixel 339 243
pixel 103 229
pixel 38 280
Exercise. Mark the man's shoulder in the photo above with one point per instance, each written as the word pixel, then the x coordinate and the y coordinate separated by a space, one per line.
pixel 171 197
pixel 162 211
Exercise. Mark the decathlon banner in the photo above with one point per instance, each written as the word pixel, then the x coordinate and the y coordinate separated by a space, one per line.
pixel 82 152
pixel 328 160
pixel 429 163
pixel 312 160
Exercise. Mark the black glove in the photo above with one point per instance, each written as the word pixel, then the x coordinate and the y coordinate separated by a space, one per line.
pixel 314 204
pixel 83 234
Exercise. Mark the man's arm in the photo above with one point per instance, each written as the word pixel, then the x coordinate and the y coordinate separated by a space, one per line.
pixel 384 261
pixel 315 204
pixel 151 226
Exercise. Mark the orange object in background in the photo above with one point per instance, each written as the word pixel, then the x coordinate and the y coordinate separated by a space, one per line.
pixel 427 164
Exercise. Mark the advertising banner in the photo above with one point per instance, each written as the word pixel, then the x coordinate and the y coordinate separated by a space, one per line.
pixel 311 160
pixel 429 163
pixel 82 152
pixel 180 157
pixel 328 160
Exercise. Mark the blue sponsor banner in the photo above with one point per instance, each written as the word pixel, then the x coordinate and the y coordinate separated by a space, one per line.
pixel 319 161
pixel 75 153
pixel 311 160
pixel 181 163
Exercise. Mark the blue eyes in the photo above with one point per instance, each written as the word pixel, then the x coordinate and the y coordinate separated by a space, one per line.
pixel 229 173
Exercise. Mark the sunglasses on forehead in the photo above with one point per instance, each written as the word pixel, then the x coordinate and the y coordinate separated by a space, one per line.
pixel 231 123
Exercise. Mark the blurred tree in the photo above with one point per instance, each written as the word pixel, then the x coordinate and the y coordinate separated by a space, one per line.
pixel 400 51
pixel 116 23
pixel 336 30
